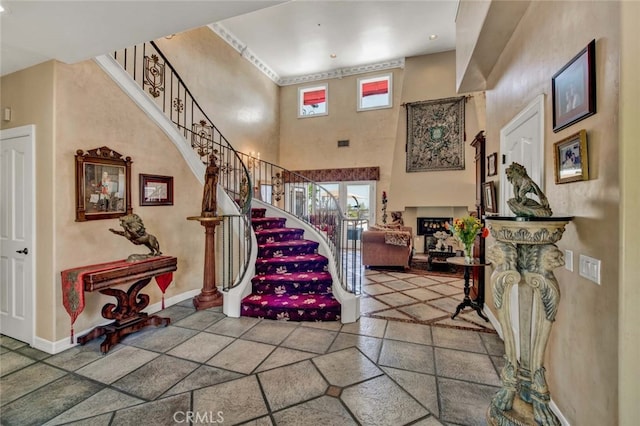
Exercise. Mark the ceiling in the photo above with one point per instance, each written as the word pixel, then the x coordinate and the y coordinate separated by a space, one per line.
pixel 292 39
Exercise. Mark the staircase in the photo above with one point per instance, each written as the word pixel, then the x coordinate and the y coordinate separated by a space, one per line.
pixel 292 281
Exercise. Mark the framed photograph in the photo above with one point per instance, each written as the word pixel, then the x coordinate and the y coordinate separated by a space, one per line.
pixel 375 92
pixel 571 158
pixel 156 190
pixel 492 161
pixel 574 89
pixel 103 184
pixel 313 101
pixel 489 195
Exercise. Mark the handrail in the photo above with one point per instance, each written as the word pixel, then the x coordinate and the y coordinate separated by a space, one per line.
pixel 243 176
pixel 151 70
pixel 313 204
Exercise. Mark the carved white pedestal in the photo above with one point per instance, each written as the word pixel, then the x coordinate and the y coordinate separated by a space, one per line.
pixel 525 255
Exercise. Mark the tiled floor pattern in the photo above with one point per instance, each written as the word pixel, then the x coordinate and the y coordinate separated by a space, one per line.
pixel 418 296
pixel 260 372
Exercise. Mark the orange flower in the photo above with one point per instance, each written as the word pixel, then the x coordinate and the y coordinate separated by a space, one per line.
pixel 467 229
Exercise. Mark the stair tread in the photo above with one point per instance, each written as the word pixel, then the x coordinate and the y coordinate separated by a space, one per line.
pixel 268 219
pixel 294 276
pixel 292 259
pixel 297 294
pixel 276 230
pixel 293 301
pixel 289 243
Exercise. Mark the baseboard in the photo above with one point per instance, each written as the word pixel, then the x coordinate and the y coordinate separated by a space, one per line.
pixel 493 320
pixel 65 343
pixel 556 411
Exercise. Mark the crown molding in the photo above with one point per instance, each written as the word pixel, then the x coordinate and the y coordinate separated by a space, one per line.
pixel 244 50
pixel 246 53
pixel 343 72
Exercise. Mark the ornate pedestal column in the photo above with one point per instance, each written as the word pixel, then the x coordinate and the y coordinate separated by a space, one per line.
pixel 525 255
pixel 209 296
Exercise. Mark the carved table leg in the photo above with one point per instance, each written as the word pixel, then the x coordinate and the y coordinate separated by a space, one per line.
pixel 127 315
pixel 503 278
pixel 467 300
pixel 547 292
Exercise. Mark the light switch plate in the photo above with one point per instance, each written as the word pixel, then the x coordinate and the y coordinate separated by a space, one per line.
pixel 568 260
pixel 590 268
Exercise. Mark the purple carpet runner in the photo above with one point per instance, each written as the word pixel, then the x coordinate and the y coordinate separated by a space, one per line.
pixel 292 280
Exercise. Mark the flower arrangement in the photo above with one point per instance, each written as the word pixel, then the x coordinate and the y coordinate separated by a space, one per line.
pixel 466 230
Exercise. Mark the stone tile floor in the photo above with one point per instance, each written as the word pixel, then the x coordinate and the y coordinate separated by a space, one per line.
pixel 207 368
pixel 418 296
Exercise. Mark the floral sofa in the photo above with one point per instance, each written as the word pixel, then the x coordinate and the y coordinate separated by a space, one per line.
pixel 387 245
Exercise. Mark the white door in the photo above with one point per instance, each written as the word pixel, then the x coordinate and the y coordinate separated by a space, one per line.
pixel 17 220
pixel 521 141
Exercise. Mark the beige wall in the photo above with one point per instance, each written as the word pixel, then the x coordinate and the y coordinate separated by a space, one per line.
pixel 79 107
pixel 30 95
pixel 431 77
pixel 582 356
pixel 378 138
pixel 91 112
pixel 311 143
pixel 629 317
pixel 242 102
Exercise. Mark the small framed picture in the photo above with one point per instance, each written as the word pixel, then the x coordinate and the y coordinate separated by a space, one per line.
pixel 489 195
pixel 156 190
pixel 492 168
pixel 571 158
pixel 574 89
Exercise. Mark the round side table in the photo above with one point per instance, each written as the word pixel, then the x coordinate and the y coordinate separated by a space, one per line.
pixel 458 260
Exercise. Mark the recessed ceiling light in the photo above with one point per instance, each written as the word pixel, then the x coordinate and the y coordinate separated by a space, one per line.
pixel 1 9
pixel 333 56
pixel 433 36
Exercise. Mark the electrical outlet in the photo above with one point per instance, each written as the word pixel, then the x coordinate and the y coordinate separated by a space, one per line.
pixel 590 268
pixel 568 260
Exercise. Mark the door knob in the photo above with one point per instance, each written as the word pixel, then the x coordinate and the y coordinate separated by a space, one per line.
pixel 23 251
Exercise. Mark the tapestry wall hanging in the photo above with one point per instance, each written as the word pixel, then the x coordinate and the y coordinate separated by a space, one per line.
pixel 435 135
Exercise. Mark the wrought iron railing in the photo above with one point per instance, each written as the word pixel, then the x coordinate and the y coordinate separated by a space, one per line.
pixel 243 176
pixel 148 66
pixel 312 203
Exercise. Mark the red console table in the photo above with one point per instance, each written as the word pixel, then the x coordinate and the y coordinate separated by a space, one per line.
pixel 127 313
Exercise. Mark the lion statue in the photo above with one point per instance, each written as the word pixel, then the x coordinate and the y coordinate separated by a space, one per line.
pixel 135 232
pixel 522 205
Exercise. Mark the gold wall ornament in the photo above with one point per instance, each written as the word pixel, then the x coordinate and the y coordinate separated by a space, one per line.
pixel 154 72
